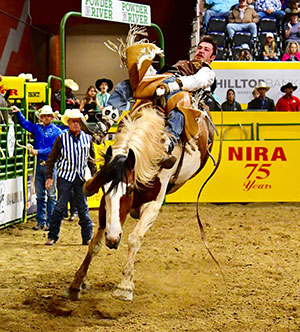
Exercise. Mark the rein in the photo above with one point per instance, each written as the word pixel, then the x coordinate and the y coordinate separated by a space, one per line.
pixel 216 164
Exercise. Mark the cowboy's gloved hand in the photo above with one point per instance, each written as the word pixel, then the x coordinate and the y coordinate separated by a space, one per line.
pixel 173 86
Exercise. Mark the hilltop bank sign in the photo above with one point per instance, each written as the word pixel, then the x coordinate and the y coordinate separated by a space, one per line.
pixel 117 11
pixel 244 76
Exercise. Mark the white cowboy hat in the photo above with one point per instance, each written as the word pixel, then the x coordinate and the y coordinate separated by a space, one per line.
pixel 262 85
pixel 73 113
pixel 46 110
pixel 69 83
pixel 27 77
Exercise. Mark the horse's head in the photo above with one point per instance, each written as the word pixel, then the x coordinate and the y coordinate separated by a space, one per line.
pixel 116 178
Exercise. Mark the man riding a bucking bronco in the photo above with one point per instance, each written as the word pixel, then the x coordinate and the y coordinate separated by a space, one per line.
pixel 169 89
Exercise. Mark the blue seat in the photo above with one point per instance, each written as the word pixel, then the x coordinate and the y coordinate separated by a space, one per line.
pixel 216 24
pixel 219 38
pixel 240 38
pixel 221 53
pixel 267 25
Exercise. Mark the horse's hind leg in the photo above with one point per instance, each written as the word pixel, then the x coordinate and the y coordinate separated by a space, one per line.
pixel 73 292
pixel 149 213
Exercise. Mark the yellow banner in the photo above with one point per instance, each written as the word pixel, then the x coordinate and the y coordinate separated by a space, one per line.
pixel 250 171
pixel 16 84
pixel 36 92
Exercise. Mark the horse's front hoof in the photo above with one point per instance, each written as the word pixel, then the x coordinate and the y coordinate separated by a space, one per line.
pixel 123 294
pixel 71 293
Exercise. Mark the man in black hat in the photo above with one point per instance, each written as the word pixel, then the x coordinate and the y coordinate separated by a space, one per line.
pixel 103 85
pixel 288 102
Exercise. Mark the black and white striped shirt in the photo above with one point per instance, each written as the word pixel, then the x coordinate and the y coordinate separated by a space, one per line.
pixel 72 156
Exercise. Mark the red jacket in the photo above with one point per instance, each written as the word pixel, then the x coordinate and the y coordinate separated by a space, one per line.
pixel 288 104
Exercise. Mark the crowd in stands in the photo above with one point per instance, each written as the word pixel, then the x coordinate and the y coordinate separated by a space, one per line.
pixel 286 103
pixel 266 26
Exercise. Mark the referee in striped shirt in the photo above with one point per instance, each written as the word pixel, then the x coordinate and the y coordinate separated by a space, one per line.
pixel 72 152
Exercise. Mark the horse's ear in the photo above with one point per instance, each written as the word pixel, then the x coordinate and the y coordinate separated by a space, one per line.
pixel 7 94
pixel 130 161
pixel 108 155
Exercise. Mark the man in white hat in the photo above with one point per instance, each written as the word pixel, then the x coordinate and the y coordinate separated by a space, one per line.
pixel 45 135
pixel 262 102
pixel 72 152
pixel 71 100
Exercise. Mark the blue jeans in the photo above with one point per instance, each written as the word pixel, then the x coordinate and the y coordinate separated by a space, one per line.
pixel 278 14
pixel 45 205
pixel 121 96
pixel 64 188
pixel 211 13
pixel 232 28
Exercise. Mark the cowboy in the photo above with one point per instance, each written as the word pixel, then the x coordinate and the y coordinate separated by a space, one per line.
pixel 71 100
pixel 104 86
pixel 288 102
pixel 45 135
pixel 190 76
pixel 262 102
pixel 72 151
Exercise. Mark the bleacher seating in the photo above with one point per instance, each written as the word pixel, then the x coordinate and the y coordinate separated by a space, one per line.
pixel 219 38
pixel 228 49
pixel 221 54
pixel 217 24
pixel 268 25
pixel 240 38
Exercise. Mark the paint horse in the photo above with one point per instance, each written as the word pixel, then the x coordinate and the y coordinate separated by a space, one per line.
pixel 133 182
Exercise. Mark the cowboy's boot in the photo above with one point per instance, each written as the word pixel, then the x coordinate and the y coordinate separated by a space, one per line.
pixel 168 161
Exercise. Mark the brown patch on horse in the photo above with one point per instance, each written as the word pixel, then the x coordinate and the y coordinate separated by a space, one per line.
pixel 143 195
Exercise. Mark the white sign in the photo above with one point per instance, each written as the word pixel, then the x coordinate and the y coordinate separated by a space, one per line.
pixel 11 199
pixel 117 11
pixel 244 77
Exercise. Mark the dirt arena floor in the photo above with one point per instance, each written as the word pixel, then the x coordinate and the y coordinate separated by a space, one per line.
pixel 178 286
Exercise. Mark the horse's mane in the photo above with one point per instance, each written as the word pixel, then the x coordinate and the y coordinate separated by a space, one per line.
pixel 142 132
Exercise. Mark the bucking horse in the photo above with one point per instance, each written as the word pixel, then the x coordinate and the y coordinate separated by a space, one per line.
pixel 132 178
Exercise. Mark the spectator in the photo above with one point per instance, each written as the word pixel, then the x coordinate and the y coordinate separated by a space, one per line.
pixel 292 27
pixel 262 102
pixel 72 151
pixel 244 53
pixel 270 9
pixel 89 104
pixel 292 52
pixel 231 104
pixel 242 18
pixel 218 8
pixel 251 3
pixel 44 136
pixel 290 5
pixel 71 100
pixel 104 86
pixel 269 51
pixel 255 93
pixel 288 102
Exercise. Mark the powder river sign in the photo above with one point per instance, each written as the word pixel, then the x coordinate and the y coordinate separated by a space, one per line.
pixel 117 11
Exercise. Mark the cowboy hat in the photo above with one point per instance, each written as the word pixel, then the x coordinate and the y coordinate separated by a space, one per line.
pixel 27 77
pixel 69 83
pixel 262 85
pixel 73 113
pixel 46 110
pixel 288 85
pixel 105 80
pixel 293 12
